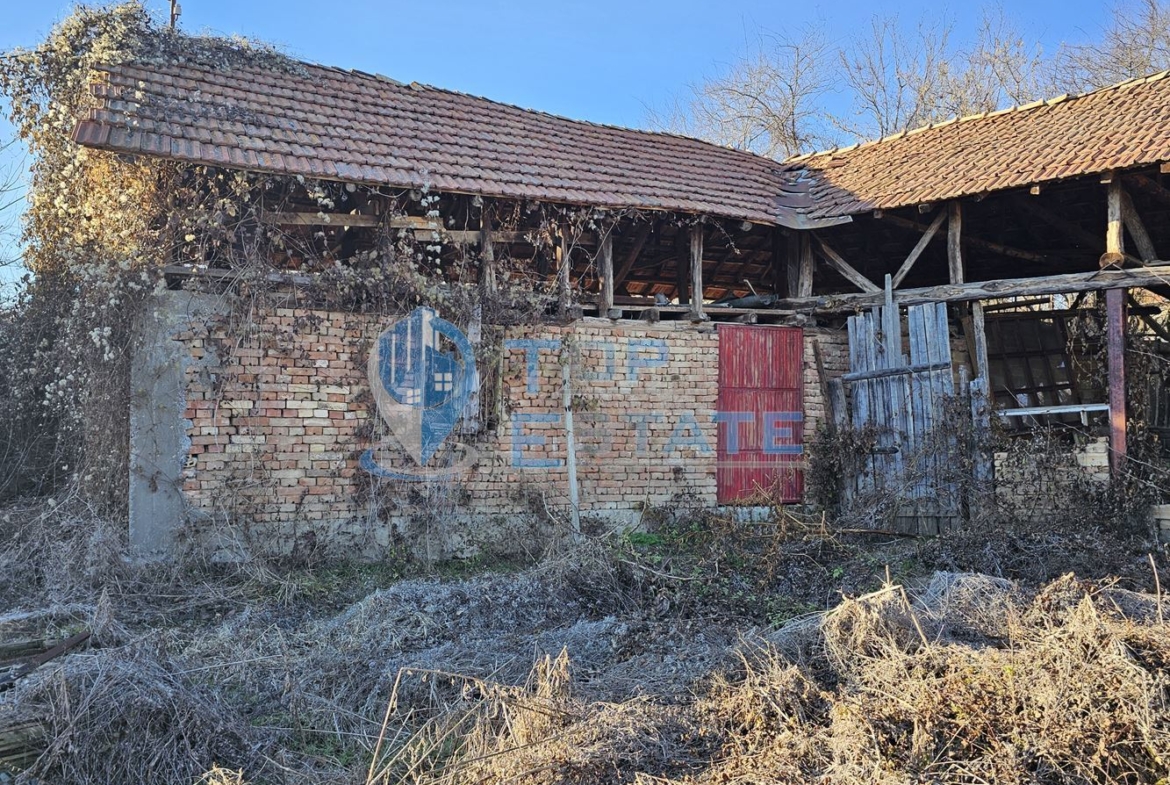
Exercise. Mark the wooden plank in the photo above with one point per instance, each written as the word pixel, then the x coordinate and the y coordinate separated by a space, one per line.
pixel 898 370
pixel 1035 411
pixel 976 242
pixel 954 241
pixel 1115 349
pixel 919 247
pixel 348 219
pixel 915 328
pixel 1098 280
pixel 696 264
pixel 843 268
pixel 979 339
pixel 605 270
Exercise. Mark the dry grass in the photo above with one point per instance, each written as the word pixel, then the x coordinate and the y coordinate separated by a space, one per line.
pixel 597 666
pixel 904 691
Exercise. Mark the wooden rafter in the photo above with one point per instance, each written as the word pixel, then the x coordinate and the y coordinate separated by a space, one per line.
pixel 996 248
pixel 843 268
pixel 619 277
pixel 1061 224
pixel 919 247
pixel 1149 187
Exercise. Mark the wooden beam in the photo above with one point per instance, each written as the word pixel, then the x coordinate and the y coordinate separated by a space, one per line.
pixel 696 263
pixel 640 238
pixel 1097 280
pixel 996 248
pixel 605 269
pixel 487 253
pixel 919 247
pixel 348 219
pixel 1154 325
pixel 1063 225
pixel 979 341
pixel 682 254
pixel 564 262
pixel 792 258
pixel 1114 238
pixel 1136 228
pixel 954 241
pixel 805 266
pixel 1149 187
pixel 779 260
pixel 846 270
pixel 1115 348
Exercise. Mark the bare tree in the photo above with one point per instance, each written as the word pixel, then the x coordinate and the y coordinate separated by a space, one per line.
pixel 1136 43
pixel 769 102
pixel 1001 68
pixel 896 79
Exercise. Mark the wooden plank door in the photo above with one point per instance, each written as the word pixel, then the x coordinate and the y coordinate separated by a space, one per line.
pixel 761 413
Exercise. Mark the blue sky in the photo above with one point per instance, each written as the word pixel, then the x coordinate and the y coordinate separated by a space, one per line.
pixel 599 60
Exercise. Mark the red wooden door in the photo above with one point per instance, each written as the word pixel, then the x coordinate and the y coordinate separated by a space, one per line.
pixel 761 413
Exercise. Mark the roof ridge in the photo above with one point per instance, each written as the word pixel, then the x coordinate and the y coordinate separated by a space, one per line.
pixel 1027 107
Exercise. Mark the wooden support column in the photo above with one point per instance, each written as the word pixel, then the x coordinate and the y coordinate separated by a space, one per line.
pixel 805 266
pixel 605 269
pixel 487 253
pixel 696 263
pixel 563 265
pixel 1115 343
pixel 1115 330
pixel 954 241
pixel 1114 236
pixel 682 278
pixel 780 244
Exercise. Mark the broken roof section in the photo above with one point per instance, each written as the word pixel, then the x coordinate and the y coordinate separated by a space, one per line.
pixel 1117 127
pixel 344 125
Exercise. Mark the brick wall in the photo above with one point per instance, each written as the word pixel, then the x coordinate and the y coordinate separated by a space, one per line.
pixel 278 415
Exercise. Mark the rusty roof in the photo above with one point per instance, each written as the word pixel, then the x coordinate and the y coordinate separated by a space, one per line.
pixel 345 125
pixel 1117 127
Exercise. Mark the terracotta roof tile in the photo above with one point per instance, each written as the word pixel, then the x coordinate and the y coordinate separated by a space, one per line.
pixel 347 125
pixel 1118 127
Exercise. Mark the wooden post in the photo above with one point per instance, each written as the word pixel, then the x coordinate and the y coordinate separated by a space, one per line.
pixel 804 286
pixel 681 273
pixel 696 262
pixel 954 244
pixel 1114 238
pixel 779 264
pixel 563 265
pixel 487 253
pixel 605 269
pixel 1115 330
pixel 570 443
pixel 792 248
pixel 1115 344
